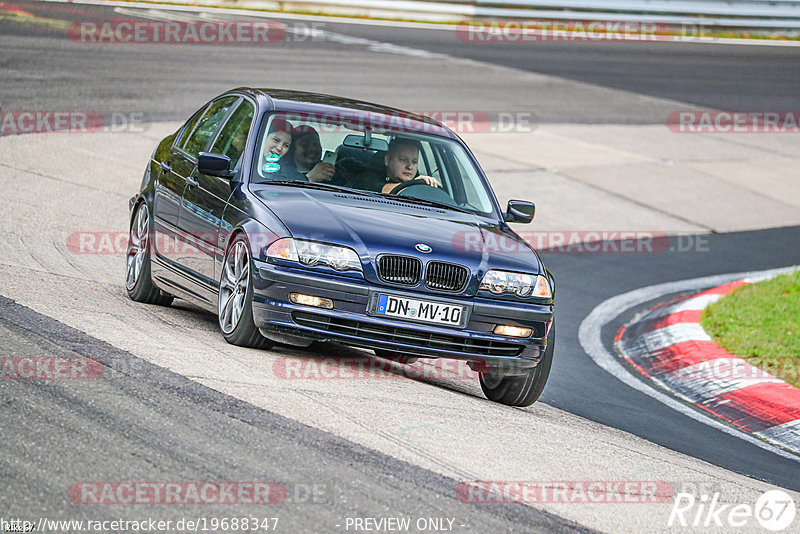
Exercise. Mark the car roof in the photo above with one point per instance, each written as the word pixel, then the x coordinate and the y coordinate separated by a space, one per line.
pixel 320 104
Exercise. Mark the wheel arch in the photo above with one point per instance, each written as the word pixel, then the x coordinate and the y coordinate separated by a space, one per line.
pixel 256 233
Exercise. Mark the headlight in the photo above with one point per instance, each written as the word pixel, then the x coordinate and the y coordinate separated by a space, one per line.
pixel 313 253
pixel 523 285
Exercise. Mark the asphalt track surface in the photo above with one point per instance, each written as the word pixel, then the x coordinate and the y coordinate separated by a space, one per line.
pixel 165 82
pixel 168 82
pixel 148 422
pixel 703 74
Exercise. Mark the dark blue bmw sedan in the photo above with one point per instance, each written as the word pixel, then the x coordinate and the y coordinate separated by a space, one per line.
pixel 299 216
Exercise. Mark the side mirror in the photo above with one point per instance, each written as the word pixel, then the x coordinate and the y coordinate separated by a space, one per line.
pixel 520 211
pixel 214 165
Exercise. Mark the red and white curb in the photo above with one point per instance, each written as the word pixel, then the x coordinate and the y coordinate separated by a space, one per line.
pixel 668 345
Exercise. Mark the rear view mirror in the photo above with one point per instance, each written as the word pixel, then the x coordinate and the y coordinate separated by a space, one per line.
pixel 214 165
pixel 364 141
pixel 520 211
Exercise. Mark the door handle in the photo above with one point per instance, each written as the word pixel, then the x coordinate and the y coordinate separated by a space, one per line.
pixel 192 181
pixel 165 166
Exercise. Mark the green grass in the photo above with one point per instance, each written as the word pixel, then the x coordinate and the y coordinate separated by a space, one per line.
pixel 761 323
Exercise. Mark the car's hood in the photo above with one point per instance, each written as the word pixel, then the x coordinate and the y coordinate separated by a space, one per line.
pixel 374 225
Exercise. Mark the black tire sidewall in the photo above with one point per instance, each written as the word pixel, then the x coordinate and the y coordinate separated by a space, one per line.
pixel 524 390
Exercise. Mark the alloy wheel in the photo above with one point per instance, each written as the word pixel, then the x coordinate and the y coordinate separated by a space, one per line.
pixel 138 242
pixel 233 286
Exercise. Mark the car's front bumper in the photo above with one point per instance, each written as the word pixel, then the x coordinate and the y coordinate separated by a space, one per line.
pixel 351 322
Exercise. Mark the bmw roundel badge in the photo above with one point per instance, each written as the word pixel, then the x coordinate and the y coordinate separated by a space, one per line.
pixel 422 247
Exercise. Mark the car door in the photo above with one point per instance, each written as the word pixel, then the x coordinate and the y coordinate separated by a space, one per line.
pixel 205 196
pixel 184 165
pixel 169 188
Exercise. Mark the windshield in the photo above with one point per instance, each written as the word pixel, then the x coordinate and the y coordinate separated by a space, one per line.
pixel 414 166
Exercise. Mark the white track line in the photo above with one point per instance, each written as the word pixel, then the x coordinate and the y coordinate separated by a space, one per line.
pixel 590 338
pixel 692 304
pixel 667 336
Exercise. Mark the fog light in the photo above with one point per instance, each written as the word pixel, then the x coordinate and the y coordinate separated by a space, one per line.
pixel 512 331
pixel 311 300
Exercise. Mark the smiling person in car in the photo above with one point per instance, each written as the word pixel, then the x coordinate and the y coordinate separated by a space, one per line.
pixel 279 138
pixel 401 161
pixel 307 155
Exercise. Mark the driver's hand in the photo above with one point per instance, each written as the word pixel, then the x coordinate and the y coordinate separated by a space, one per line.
pixel 430 180
pixel 321 172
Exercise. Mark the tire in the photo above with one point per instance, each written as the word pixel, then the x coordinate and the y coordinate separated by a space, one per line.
pixel 396 356
pixel 235 301
pixel 520 390
pixel 138 282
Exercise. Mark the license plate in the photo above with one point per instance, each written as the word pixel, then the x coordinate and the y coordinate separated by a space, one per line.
pixel 419 310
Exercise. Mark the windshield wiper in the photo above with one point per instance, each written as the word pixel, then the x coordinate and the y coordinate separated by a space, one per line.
pixel 343 189
pixel 425 201
pixel 330 187
pixel 312 185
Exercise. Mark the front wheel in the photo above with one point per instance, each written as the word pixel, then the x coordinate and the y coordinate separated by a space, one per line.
pixel 524 389
pixel 235 306
pixel 138 282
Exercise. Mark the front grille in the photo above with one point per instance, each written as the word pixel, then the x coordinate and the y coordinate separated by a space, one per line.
pixel 417 338
pixel 446 276
pixel 399 270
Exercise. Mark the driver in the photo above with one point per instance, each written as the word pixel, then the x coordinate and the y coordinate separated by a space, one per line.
pixel 401 161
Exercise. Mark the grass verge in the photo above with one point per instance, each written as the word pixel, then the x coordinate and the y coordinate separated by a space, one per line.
pixel 761 323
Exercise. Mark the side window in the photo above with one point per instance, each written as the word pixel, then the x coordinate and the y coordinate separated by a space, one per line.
pixel 473 198
pixel 189 128
pixel 207 125
pixel 468 188
pixel 426 161
pixel 233 136
pixel 433 153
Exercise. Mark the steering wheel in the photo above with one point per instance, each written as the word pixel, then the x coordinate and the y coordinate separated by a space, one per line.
pixel 404 185
pixel 419 188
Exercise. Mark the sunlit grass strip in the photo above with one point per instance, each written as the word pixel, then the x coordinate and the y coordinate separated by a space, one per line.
pixel 761 323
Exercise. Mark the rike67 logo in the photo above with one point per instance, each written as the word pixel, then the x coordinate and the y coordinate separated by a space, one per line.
pixel 775 511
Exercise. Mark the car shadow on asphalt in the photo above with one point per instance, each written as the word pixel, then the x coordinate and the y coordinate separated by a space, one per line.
pixel 328 360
